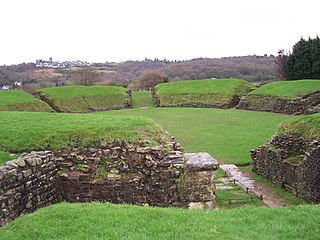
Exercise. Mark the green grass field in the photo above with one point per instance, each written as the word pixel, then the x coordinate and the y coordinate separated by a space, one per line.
pixel 15 100
pixel 290 89
pixel 108 221
pixel 201 92
pixel 85 99
pixel 40 131
pixel 226 134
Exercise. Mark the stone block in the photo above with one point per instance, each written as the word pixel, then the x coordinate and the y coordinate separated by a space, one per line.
pixel 197 162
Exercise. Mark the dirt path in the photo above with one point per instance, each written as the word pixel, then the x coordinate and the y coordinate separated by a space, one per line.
pixel 244 179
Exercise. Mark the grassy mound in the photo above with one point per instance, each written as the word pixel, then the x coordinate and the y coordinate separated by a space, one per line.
pixel 107 221
pixel 85 99
pixel 288 89
pixel 51 131
pixel 21 101
pixel 305 126
pixel 202 93
pixel 283 97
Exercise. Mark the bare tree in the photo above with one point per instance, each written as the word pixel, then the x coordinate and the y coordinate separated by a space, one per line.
pixel 149 79
pixel 87 76
pixel 281 64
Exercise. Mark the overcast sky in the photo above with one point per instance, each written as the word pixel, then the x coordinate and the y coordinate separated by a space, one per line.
pixel 119 30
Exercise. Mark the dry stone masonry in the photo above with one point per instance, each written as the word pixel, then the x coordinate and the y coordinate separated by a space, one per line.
pixel 118 172
pixel 292 163
pixel 307 104
pixel 27 184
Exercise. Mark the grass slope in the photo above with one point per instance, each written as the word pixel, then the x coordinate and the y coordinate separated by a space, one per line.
pixel 289 89
pixel 226 134
pixel 202 92
pixel 16 100
pixel 33 131
pixel 84 99
pixel 305 126
pixel 108 221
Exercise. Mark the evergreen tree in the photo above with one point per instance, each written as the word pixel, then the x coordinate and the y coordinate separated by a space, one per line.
pixel 304 61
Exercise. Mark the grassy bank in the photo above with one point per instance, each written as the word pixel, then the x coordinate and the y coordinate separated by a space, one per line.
pixel 107 221
pixel 35 131
pixel 201 92
pixel 15 100
pixel 85 99
pixel 305 126
pixel 289 89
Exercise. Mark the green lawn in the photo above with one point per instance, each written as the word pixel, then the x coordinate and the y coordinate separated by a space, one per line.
pixel 15 100
pixel 108 221
pixel 85 98
pixel 23 131
pixel 142 99
pixel 290 89
pixel 204 92
pixel 226 134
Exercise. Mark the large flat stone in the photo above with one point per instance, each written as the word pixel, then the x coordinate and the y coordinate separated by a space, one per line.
pixel 202 161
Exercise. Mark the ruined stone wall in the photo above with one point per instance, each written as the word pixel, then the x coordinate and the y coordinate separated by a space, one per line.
pixel 308 104
pixel 27 184
pixel 121 173
pixel 117 172
pixel 291 162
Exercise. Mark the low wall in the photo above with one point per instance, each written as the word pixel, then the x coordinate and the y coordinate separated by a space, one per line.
pixel 121 173
pixel 199 101
pixel 27 184
pixel 308 104
pixel 117 172
pixel 292 163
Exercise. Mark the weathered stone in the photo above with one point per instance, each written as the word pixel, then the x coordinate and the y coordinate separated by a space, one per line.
pixel 120 172
pixel 143 150
pixel 27 173
pixel 31 161
pixel 292 163
pixel 200 162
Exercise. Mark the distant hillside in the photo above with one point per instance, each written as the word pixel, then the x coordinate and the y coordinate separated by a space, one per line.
pixel 85 99
pixel 250 68
pixel 222 93
pixel 15 100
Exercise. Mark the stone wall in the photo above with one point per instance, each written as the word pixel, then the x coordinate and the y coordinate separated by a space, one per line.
pixel 199 100
pixel 121 173
pixel 292 163
pixel 308 104
pixel 27 184
pixel 118 172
